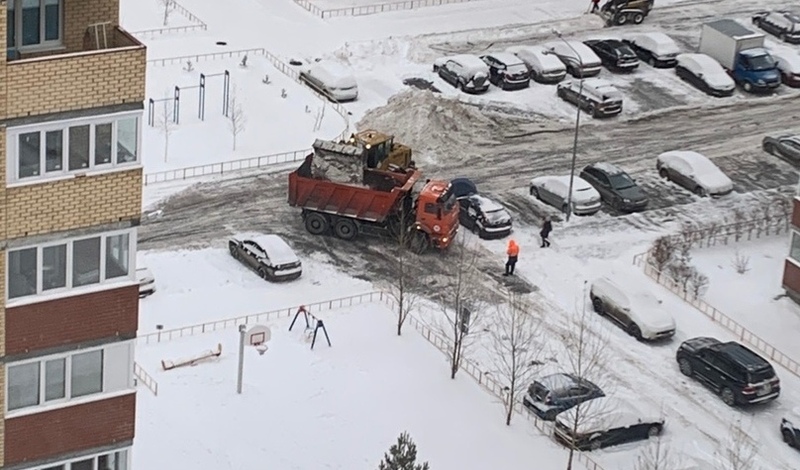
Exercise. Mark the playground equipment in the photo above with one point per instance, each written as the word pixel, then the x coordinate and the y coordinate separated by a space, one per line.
pixel 210 354
pixel 258 336
pixel 311 330
pixel 201 100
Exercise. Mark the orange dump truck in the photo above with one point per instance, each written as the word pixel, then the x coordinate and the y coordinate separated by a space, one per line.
pixel 340 195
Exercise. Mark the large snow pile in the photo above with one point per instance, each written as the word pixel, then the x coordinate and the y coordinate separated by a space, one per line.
pixel 432 125
pixel 340 163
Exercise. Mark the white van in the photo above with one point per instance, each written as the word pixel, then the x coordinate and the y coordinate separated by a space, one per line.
pixel 331 79
pixel 545 68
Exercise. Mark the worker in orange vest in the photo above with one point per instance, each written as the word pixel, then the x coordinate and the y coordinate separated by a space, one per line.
pixel 513 253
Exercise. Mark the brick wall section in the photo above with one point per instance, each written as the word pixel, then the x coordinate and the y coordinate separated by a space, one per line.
pixel 791 278
pixel 72 429
pixel 79 14
pixel 2 415
pixel 72 320
pixel 73 82
pixel 796 213
pixel 73 203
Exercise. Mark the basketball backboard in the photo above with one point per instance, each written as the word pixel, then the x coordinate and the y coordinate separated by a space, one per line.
pixel 258 334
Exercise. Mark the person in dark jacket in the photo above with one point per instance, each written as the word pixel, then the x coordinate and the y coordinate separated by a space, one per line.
pixel 547 227
pixel 595 5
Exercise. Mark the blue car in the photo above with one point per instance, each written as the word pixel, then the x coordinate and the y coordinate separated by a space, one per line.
pixel 552 394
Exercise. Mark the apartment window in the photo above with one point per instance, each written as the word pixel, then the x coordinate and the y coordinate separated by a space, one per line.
pixel 23 386
pixel 87 373
pixel 70 264
pixel 57 149
pixel 33 23
pixel 55 385
pixel 794 250
pixel 117 460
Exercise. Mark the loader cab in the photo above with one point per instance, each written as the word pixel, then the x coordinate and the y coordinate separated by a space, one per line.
pixel 437 212
pixel 381 151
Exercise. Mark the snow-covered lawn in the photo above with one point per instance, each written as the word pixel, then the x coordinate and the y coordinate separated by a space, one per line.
pixel 205 285
pixel 271 123
pixel 339 407
pixel 149 14
pixel 755 298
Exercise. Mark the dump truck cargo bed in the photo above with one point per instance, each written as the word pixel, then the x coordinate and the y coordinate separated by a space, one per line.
pixel 372 201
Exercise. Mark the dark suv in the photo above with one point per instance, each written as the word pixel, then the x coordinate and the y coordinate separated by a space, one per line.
pixel 736 373
pixel 615 54
pixel 550 395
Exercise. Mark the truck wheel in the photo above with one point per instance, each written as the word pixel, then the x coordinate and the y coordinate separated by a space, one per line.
pixel 345 229
pixel 747 87
pixel 638 18
pixel 622 19
pixel 316 224
pixel 420 243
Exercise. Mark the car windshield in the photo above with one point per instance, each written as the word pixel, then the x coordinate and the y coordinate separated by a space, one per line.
pixel 449 202
pixel 761 62
pixel 621 181
pixel 517 68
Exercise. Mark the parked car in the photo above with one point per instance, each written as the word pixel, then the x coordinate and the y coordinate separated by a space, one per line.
pixel 463 187
pixel 788 63
pixel 554 190
pixel 147 282
pixel 655 48
pixel 464 71
pixel 332 80
pixel 614 54
pixel 616 188
pixel 704 73
pixel 791 431
pixel 552 394
pixel 507 71
pixel 694 172
pixel 269 255
pixel 737 374
pixel 544 68
pixel 484 216
pixel 783 146
pixel 782 23
pixel 596 96
pixel 607 421
pixel 578 58
pixel 639 313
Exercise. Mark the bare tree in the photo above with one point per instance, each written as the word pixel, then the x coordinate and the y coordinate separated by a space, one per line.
pixel 655 456
pixel 403 288
pixel 517 346
pixel 739 452
pixel 168 6
pixel 740 263
pixel 165 122
pixel 739 219
pixel 236 118
pixel 697 283
pixel 460 301
pixel 584 354
pixel 662 253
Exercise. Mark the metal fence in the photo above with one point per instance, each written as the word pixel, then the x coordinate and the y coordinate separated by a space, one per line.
pixel 205 57
pixel 198 24
pixel 224 167
pixel 169 335
pixel 143 377
pixel 775 222
pixel 373 9
pixel 742 333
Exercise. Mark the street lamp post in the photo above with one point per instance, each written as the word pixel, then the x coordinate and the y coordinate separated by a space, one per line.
pixel 577 126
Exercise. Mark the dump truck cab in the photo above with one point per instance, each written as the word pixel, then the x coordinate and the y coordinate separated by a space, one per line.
pixel 437 213
pixel 381 150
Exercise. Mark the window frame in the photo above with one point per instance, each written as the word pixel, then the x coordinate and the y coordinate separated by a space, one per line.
pixel 108 389
pixel 43 44
pixel 66 464
pixel 794 235
pixel 69 288
pixel 13 147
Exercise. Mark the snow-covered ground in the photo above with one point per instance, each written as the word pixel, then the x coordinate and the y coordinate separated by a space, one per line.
pixel 332 407
pixel 145 15
pixel 755 298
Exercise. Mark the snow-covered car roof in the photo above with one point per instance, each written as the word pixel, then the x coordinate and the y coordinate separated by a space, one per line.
pixel 644 307
pixel 560 381
pixel 581 190
pixel 486 204
pixel 604 413
pixel 654 41
pixel 700 63
pixel 547 61
pixel 788 60
pixel 507 58
pixel 333 74
pixel 585 53
pixel 696 161
pixel 607 168
pixel 278 251
pixel 471 62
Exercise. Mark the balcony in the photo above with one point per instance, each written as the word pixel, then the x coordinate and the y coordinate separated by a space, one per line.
pixel 106 69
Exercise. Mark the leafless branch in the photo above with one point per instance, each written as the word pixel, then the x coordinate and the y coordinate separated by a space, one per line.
pixel 236 117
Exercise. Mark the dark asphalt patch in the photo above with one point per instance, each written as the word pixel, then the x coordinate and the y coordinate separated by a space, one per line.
pixel 649 96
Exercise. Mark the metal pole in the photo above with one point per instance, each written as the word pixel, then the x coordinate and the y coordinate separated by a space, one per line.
pixel 577 127
pixel 242 329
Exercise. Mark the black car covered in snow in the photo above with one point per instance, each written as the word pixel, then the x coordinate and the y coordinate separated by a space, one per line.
pixel 615 54
pixel 484 216
pixel 552 394
pixel 790 429
pixel 616 187
pixel 268 255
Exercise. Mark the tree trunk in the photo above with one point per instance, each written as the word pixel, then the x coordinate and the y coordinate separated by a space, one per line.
pixel 571 455
pixel 400 312
pixel 166 145
pixel 510 408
